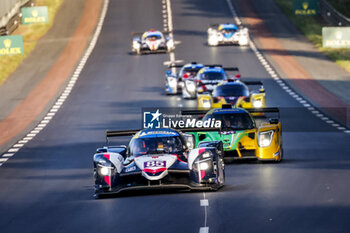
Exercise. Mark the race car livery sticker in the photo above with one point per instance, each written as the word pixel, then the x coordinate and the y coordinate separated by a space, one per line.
pixel 154 163
pixel 129 169
pixel 158 132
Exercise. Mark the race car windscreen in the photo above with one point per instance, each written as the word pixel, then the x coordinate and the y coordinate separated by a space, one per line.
pixel 190 71
pixel 212 76
pixel 231 90
pixel 154 37
pixel 232 121
pixel 155 145
pixel 228 31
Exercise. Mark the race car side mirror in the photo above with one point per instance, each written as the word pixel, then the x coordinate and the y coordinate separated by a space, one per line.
pixel 101 150
pixel 190 141
pixel 273 121
pixel 168 72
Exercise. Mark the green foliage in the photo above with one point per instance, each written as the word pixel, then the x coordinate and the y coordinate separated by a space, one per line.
pixel 311 27
pixel 31 34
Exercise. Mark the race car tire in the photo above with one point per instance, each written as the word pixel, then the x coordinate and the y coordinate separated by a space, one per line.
pixel 281 156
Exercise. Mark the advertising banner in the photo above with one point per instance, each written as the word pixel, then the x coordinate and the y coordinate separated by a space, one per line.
pixel 11 45
pixel 336 37
pixel 31 15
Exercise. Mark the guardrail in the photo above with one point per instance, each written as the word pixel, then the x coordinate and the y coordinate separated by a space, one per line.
pixel 10 14
pixel 331 15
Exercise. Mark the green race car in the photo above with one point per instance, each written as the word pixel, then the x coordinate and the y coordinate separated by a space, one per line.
pixel 241 135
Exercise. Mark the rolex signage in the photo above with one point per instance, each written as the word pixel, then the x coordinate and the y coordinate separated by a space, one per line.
pixel 11 45
pixel 32 15
pixel 305 7
pixel 336 37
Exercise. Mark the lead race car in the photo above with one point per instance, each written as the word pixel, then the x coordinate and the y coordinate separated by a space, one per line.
pixel 158 159
pixel 152 41
pixel 229 33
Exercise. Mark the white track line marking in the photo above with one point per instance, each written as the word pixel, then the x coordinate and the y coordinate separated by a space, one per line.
pixel 204 230
pixel 274 75
pixel 204 202
pixel 67 90
pixel 13 150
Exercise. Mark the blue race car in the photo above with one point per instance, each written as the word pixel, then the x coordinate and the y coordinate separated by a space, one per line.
pixel 176 83
pixel 207 78
pixel 219 34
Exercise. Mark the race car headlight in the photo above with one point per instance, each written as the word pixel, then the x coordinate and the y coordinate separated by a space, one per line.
pixel 172 81
pixel 203 165
pixel 206 104
pixel 265 138
pixel 189 141
pixel 191 86
pixel 136 45
pixel 200 89
pixel 213 40
pixel 257 103
pixel 104 171
pixel 206 155
pixel 243 39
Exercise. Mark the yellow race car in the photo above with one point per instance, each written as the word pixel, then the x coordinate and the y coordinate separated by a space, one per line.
pixel 235 93
pixel 243 135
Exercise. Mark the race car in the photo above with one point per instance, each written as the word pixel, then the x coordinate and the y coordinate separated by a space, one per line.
pixel 242 135
pixel 206 79
pixel 176 83
pixel 158 159
pixel 229 33
pixel 235 93
pixel 152 41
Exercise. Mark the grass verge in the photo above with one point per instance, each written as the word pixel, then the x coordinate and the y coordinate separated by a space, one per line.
pixel 31 34
pixel 311 26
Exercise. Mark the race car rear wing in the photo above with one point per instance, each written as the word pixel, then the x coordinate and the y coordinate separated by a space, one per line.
pixel 255 83
pixel 228 106
pixel 252 83
pixel 138 35
pixel 120 133
pixel 180 65
pixel 225 68
pixel 217 25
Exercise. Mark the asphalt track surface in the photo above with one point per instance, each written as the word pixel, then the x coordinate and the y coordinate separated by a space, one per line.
pixel 47 185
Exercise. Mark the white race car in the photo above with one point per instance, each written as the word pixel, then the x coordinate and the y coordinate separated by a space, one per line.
pixel 152 41
pixel 159 159
pixel 219 34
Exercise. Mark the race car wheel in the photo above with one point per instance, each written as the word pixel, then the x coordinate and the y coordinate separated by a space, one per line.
pixel 221 177
pixel 281 155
